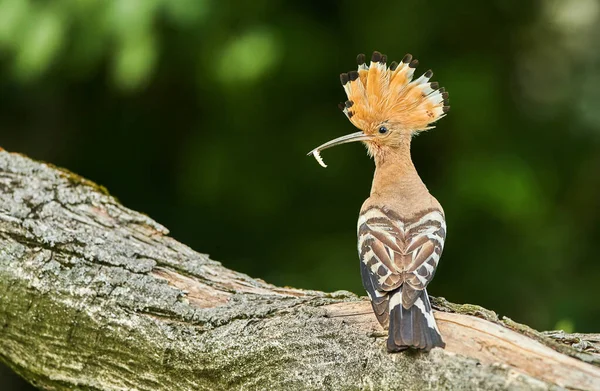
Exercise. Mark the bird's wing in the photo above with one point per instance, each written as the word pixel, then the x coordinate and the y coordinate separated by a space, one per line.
pixel 395 251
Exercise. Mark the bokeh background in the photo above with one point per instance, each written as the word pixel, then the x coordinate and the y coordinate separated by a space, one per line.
pixel 200 113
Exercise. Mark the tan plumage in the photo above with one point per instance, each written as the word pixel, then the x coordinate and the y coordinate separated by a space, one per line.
pixel 401 227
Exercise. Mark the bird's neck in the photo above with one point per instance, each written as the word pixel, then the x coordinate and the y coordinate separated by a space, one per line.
pixel 395 173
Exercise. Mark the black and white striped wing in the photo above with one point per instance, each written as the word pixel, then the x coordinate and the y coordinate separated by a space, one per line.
pixel 398 252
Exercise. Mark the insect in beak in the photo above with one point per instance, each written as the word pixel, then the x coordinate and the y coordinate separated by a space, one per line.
pixel 358 136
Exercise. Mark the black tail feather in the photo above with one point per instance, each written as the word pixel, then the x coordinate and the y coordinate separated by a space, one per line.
pixel 413 327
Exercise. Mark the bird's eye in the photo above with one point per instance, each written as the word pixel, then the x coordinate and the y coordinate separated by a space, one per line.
pixel 383 130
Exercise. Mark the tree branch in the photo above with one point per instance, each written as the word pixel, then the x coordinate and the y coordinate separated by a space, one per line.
pixel 94 296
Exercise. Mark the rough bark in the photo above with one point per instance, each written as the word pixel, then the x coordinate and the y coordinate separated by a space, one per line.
pixel 94 296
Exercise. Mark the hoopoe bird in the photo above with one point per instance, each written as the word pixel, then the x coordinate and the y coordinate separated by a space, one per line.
pixel 401 227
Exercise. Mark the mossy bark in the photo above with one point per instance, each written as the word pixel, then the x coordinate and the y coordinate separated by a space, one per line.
pixel 94 296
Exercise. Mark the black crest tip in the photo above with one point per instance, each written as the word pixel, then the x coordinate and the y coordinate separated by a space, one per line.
pixel 341 106
pixel 353 75
pixel 429 74
pixel 344 78
pixel 361 59
pixel 414 63
pixel 446 109
pixel 407 58
pixel 383 59
pixel 435 85
pixel 376 57
pixel 393 66
pixel 349 104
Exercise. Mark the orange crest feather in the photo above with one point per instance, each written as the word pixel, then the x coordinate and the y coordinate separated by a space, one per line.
pixel 380 94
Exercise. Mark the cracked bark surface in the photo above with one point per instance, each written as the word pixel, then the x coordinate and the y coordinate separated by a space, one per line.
pixel 95 296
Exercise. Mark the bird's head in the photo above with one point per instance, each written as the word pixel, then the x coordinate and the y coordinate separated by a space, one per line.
pixel 387 105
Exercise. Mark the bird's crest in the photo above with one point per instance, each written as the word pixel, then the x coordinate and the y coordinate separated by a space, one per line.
pixel 380 94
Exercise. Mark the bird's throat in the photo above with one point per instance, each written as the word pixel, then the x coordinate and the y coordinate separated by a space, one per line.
pixel 395 172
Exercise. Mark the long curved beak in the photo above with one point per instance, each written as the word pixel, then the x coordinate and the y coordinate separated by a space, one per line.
pixel 358 136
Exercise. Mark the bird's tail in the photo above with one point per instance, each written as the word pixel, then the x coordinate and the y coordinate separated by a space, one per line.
pixel 413 327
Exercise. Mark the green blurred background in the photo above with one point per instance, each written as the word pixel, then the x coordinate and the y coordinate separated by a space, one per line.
pixel 200 113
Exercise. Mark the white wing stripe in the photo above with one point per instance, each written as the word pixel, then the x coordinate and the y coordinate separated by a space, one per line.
pixel 428 314
pixel 422 279
pixel 368 255
pixel 362 238
pixel 396 300
pixel 428 267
